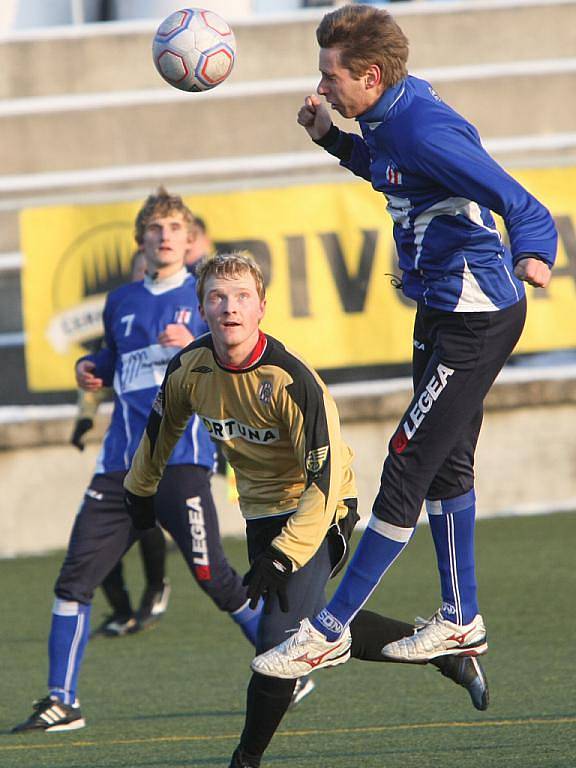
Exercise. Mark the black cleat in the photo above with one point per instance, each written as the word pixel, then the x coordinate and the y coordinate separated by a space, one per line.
pixel 117 625
pixel 52 716
pixel 304 687
pixel 153 605
pixel 241 760
pixel 469 673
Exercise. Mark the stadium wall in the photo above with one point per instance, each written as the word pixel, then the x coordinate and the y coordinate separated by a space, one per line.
pixel 525 457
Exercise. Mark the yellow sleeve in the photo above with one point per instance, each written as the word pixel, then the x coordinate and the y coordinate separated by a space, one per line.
pixel 168 418
pixel 314 427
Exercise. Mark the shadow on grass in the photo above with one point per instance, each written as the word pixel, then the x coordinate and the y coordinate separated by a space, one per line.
pixel 175 715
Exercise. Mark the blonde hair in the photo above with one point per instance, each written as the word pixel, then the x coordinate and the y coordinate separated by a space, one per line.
pixel 366 36
pixel 228 265
pixel 161 203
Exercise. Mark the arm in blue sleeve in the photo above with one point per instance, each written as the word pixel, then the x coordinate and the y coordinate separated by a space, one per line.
pixel 454 157
pixel 350 149
pixel 105 358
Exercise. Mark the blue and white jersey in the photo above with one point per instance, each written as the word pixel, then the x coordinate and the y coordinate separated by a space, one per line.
pixel 134 362
pixel 441 186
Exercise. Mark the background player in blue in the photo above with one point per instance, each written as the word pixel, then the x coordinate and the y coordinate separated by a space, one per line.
pixel 145 323
pixel 441 187
pixel 123 621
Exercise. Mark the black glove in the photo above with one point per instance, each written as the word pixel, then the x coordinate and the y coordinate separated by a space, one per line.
pixel 268 576
pixel 141 510
pixel 80 428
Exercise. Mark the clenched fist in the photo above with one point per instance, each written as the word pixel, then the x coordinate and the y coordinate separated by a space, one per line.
pixel 533 271
pixel 314 116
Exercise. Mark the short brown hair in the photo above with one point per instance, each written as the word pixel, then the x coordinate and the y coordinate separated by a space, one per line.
pixel 228 265
pixel 365 36
pixel 161 203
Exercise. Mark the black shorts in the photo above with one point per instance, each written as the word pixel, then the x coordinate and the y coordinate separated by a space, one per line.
pixel 103 532
pixel 456 358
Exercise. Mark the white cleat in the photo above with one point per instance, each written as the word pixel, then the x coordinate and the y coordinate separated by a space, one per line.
pixel 304 651
pixel 436 637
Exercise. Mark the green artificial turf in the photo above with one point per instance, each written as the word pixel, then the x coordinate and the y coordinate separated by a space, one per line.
pixel 174 695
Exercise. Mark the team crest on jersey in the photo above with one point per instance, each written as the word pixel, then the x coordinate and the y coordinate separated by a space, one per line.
pixel 393 175
pixel 182 315
pixel 158 404
pixel 316 458
pixel 265 392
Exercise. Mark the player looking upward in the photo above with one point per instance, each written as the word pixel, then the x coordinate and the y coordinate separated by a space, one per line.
pixel 280 431
pixel 440 186
pixel 145 323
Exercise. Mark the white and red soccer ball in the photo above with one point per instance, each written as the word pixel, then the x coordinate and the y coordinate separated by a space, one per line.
pixel 194 49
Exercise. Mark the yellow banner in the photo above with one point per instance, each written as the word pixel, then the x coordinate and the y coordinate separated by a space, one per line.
pixel 327 253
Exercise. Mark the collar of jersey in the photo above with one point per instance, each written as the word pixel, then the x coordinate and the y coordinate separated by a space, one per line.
pixel 161 286
pixel 380 111
pixel 255 357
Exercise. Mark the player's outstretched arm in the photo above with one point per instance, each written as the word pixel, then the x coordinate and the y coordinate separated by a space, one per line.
pixel 314 117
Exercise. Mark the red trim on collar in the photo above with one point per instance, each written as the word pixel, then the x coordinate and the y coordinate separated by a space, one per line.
pixel 255 355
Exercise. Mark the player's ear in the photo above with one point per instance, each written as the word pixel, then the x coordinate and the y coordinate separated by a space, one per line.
pixel 202 313
pixel 373 76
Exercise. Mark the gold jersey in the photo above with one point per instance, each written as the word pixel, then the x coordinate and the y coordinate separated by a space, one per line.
pixel 278 427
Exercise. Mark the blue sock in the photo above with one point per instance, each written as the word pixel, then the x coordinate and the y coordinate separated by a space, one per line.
pixel 68 638
pixel 379 546
pixel 248 619
pixel 452 526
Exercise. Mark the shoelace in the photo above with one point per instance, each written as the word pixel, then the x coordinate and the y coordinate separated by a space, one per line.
pixel 420 623
pixel 297 638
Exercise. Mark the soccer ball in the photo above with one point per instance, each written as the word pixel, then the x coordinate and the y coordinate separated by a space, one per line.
pixel 194 49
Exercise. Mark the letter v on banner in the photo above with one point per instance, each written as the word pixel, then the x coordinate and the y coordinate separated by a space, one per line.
pixel 421 408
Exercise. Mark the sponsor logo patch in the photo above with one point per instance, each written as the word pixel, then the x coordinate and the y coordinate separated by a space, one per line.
pixel 421 407
pixel 231 429
pixel 200 557
pixel 202 369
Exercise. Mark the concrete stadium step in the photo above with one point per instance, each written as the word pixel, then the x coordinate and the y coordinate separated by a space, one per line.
pixel 116 56
pixel 132 182
pixel 83 132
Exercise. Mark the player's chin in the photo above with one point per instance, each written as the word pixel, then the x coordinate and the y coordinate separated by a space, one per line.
pixel 340 109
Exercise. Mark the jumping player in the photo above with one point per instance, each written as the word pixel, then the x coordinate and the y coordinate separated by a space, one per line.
pixel 145 323
pixel 280 431
pixel 440 186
